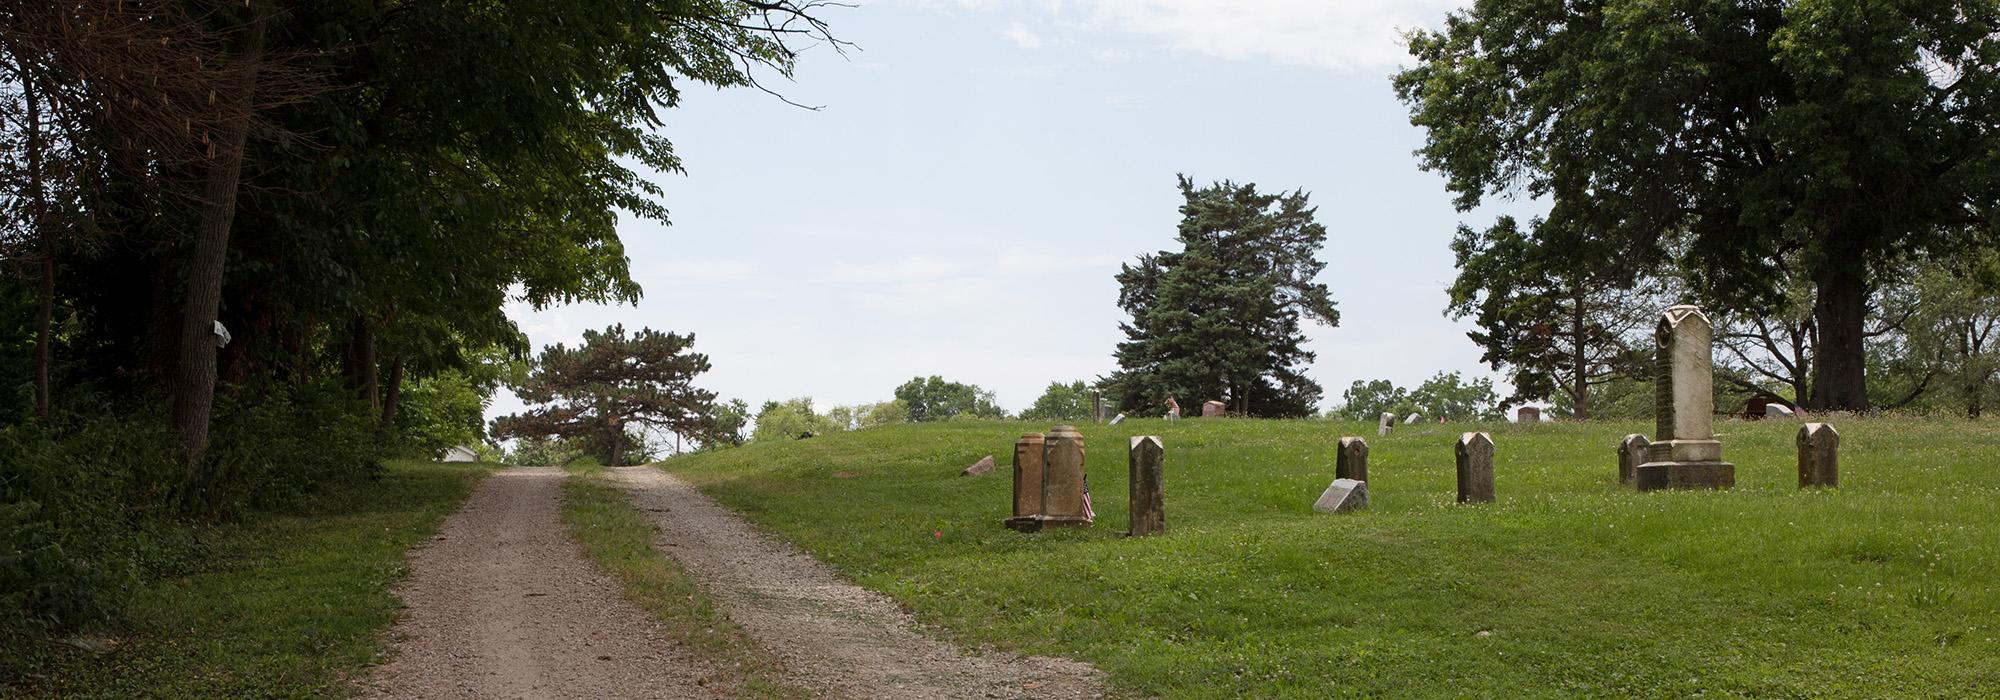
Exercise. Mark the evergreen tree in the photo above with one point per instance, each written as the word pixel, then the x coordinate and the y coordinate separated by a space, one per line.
pixel 1219 319
pixel 594 392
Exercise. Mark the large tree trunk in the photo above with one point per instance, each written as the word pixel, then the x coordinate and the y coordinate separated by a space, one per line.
pixel 1579 360
pixel 44 331
pixel 193 386
pixel 358 363
pixel 38 222
pixel 1840 366
pixel 617 434
pixel 392 396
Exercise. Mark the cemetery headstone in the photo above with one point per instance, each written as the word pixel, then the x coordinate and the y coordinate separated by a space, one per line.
pixel 1120 418
pixel 1475 468
pixel 1684 453
pixel 1385 424
pixel 1062 478
pixel 1412 418
pixel 1777 410
pixel 1352 460
pixel 1819 455
pixel 1211 409
pixel 1146 459
pixel 1631 454
pixel 1027 483
pixel 1342 495
pixel 1528 414
pixel 1096 406
pixel 984 465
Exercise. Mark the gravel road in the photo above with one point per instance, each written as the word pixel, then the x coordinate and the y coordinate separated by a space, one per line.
pixel 829 635
pixel 501 604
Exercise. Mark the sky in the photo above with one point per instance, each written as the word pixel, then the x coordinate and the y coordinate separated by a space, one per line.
pixel 977 171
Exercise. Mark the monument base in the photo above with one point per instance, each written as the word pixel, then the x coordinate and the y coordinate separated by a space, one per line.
pixel 1654 476
pixel 1035 523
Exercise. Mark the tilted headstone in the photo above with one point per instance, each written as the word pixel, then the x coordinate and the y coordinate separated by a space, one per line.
pixel 1412 418
pixel 1631 454
pixel 1062 478
pixel 1342 495
pixel 1684 453
pixel 1777 410
pixel 1352 460
pixel 1027 483
pixel 1475 468
pixel 1528 414
pixel 984 465
pixel 1120 418
pixel 1385 424
pixel 1211 409
pixel 1147 458
pixel 1819 455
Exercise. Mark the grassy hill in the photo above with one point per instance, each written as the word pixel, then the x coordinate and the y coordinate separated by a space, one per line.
pixel 1568 585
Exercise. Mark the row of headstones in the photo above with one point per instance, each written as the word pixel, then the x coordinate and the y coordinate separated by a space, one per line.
pixel 1050 488
pixel 1818 447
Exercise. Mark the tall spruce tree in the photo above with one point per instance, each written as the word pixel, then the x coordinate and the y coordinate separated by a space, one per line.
pixel 594 392
pixel 1219 318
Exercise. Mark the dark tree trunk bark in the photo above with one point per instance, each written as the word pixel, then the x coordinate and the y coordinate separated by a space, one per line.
pixel 193 387
pixel 1840 363
pixel 38 222
pixel 359 360
pixel 1579 360
pixel 392 396
pixel 44 322
pixel 617 435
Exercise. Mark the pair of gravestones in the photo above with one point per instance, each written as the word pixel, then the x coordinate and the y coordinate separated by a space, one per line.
pixel 1049 486
pixel 1473 455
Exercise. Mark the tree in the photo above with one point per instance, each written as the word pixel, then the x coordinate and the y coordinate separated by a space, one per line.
pixel 1952 336
pixel 790 420
pixel 1062 402
pixel 934 399
pixel 1559 314
pixel 612 381
pixel 1742 133
pixel 1220 317
pixel 731 417
pixel 1448 396
pixel 1368 400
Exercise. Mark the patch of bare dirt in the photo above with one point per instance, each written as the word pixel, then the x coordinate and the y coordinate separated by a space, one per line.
pixel 501 604
pixel 830 635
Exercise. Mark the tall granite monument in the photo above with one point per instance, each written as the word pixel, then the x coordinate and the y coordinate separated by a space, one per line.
pixel 1684 453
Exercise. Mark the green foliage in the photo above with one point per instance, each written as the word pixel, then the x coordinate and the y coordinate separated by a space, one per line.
pixel 732 417
pixel 1367 400
pixel 1061 402
pixel 1568 586
pixel 598 391
pixel 935 399
pixel 1734 138
pixel 790 420
pixel 1220 317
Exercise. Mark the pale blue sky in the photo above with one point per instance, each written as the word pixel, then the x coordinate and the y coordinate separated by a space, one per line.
pixel 980 169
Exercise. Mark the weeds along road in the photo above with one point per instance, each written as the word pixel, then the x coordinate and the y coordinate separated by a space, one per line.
pixel 501 604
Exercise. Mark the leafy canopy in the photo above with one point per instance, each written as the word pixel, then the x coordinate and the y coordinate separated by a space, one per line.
pixel 612 381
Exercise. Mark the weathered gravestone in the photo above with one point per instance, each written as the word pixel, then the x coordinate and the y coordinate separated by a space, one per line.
pixel 1211 409
pixel 1352 460
pixel 1342 495
pixel 1097 406
pixel 1147 458
pixel 1412 418
pixel 1684 453
pixel 1027 483
pixel 1063 500
pixel 984 465
pixel 1528 414
pixel 1631 454
pixel 1777 410
pixel 1385 424
pixel 1475 468
pixel 1120 418
pixel 1819 455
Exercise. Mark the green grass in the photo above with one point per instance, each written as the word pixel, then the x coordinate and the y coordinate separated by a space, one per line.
pixel 1567 586
pixel 619 539
pixel 292 605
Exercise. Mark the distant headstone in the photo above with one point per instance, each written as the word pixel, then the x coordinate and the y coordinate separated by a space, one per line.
pixel 1412 418
pixel 984 465
pixel 1342 495
pixel 1475 468
pixel 1147 457
pixel 1631 454
pixel 1096 406
pixel 1352 461
pixel 1063 499
pixel 1684 453
pixel 1385 424
pixel 1528 414
pixel 1777 410
pixel 1027 483
pixel 1754 407
pixel 1120 418
pixel 1819 455
pixel 1211 409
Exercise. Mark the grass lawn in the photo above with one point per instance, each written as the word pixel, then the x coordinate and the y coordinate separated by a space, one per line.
pixel 1567 586
pixel 620 540
pixel 293 604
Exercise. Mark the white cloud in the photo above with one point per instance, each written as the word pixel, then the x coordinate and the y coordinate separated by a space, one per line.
pixel 1337 34
pixel 698 272
pixel 908 268
pixel 1020 35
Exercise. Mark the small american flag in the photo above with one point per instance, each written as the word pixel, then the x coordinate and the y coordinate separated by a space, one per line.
pixel 1089 515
